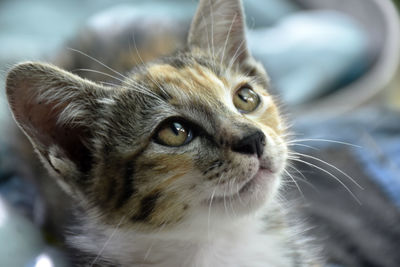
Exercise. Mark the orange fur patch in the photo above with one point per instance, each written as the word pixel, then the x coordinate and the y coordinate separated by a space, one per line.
pixel 193 80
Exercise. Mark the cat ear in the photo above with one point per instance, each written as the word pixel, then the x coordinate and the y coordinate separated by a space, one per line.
pixel 54 109
pixel 219 28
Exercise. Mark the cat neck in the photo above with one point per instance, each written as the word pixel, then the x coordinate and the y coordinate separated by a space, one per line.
pixel 244 242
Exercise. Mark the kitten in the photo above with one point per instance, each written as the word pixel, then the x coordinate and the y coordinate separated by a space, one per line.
pixel 180 165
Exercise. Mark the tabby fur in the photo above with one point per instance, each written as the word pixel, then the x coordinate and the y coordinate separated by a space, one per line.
pixel 141 203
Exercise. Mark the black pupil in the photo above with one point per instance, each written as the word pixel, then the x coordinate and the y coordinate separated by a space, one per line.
pixel 177 128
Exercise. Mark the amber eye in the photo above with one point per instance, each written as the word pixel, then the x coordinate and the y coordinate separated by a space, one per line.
pixel 246 100
pixel 174 134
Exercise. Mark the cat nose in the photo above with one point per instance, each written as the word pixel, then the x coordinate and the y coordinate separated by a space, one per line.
pixel 250 144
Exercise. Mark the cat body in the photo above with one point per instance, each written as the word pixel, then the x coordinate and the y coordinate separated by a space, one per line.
pixel 178 165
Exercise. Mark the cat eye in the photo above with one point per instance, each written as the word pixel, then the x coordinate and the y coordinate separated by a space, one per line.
pixel 174 133
pixel 246 100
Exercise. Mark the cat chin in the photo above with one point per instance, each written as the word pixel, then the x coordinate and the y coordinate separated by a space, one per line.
pixel 207 221
pixel 252 196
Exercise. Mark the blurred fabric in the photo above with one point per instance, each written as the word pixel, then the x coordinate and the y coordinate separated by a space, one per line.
pixel 357 220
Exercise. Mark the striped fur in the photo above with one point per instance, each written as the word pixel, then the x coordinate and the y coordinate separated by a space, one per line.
pixel 147 204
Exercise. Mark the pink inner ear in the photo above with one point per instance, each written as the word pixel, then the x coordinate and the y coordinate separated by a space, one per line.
pixel 39 120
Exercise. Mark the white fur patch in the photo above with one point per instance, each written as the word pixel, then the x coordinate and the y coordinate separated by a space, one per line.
pixel 240 244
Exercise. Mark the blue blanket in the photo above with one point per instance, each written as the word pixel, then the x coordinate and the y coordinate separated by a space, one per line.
pixel 376 134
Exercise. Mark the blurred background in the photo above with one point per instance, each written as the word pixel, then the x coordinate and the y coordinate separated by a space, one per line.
pixel 334 65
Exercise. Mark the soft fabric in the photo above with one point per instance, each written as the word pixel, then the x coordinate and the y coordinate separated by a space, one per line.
pixel 311 53
pixel 362 230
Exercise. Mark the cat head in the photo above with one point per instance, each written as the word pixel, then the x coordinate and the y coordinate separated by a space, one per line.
pixel 191 134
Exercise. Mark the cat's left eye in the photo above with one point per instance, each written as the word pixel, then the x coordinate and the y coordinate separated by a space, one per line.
pixel 246 100
pixel 174 133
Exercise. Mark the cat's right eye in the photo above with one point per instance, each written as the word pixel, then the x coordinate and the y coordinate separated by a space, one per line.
pixel 246 100
pixel 174 133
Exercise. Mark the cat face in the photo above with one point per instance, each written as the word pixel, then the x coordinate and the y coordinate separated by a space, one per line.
pixel 189 134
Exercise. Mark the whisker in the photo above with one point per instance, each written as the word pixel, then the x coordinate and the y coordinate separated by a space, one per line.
pixel 323 140
pixel 153 242
pixel 150 75
pixel 330 174
pixel 230 186
pixel 135 86
pixel 98 61
pixel 238 194
pixel 297 185
pixel 107 241
pixel 226 208
pixel 102 73
pixel 304 179
pixel 109 84
pixel 209 211
pixel 302 145
pixel 131 82
pixel 330 165
pixel 230 199
pixel 294 168
pixel 209 207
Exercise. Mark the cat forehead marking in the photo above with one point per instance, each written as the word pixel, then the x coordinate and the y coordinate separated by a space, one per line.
pixel 192 80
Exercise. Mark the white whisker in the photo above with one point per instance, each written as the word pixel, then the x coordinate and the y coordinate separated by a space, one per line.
pixel 330 165
pixel 297 185
pixel 135 86
pixel 302 145
pixel 330 174
pixel 153 242
pixel 304 179
pixel 109 84
pixel 127 81
pixel 107 241
pixel 322 140
pixel 209 207
pixel 102 73
pixel 98 61
pixel 230 187
pixel 151 78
